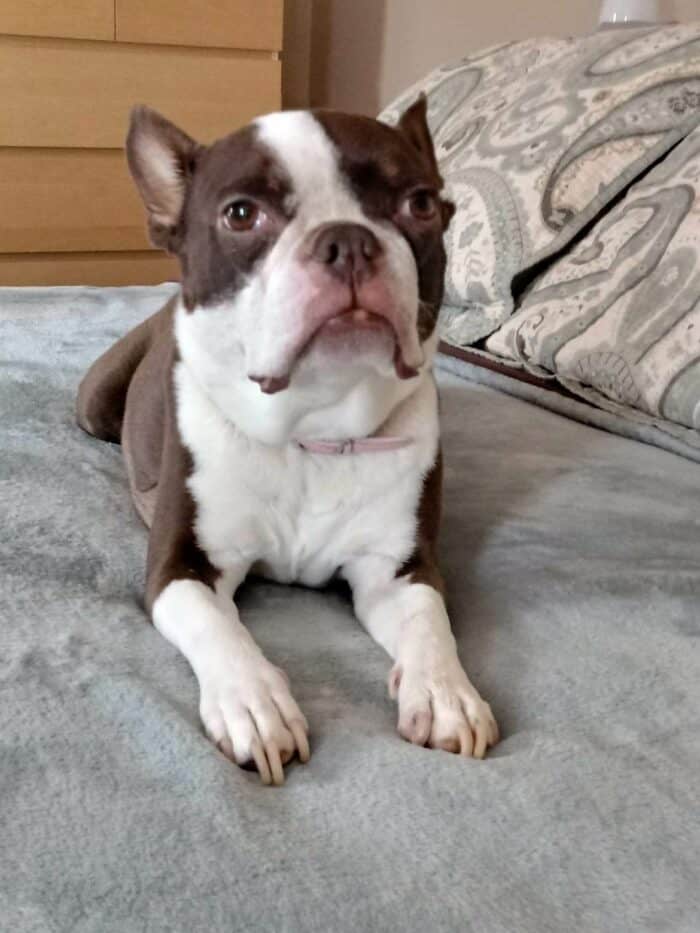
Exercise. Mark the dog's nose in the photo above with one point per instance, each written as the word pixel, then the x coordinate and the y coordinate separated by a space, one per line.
pixel 348 251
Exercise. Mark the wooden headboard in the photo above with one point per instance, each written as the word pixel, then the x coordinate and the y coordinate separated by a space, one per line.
pixel 69 73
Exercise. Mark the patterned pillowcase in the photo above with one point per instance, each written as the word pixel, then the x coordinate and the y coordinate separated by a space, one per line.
pixel 617 319
pixel 534 138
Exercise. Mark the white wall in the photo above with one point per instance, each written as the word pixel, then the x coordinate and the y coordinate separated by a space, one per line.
pixel 358 54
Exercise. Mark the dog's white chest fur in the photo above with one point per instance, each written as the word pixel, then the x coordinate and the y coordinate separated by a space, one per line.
pixel 298 516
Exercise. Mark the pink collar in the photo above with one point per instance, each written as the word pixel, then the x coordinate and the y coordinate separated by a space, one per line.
pixel 363 445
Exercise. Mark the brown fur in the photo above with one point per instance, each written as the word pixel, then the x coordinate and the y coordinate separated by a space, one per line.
pixel 173 551
pixel 102 393
pixel 127 396
pixel 422 565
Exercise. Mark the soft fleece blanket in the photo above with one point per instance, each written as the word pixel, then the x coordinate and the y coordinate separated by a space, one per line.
pixel 571 557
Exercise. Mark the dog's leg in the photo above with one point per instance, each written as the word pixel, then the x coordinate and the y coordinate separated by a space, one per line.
pixel 438 705
pixel 245 702
pixel 103 390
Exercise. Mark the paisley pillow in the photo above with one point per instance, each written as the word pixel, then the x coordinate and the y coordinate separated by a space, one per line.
pixel 535 138
pixel 617 319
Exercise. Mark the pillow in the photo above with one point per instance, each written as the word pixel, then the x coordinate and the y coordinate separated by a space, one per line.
pixel 617 319
pixel 535 138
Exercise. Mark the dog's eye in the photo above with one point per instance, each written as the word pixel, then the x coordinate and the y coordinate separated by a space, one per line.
pixel 421 205
pixel 241 215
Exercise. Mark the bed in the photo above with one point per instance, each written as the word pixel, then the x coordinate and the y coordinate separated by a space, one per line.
pixel 571 558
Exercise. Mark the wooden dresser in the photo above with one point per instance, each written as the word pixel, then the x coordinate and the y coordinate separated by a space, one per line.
pixel 70 70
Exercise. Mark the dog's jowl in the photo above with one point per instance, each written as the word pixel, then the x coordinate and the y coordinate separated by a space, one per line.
pixel 279 416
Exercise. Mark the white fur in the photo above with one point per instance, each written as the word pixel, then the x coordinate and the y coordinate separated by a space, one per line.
pixel 296 516
pixel 333 403
pixel 437 702
pixel 293 516
pixel 264 503
pixel 299 516
pixel 245 703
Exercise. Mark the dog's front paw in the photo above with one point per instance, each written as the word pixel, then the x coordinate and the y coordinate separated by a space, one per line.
pixel 439 707
pixel 250 714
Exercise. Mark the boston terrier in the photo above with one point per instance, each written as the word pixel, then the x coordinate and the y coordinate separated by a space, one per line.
pixel 279 415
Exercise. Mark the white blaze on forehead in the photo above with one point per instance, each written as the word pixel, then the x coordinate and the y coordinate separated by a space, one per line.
pixel 310 158
pixel 288 300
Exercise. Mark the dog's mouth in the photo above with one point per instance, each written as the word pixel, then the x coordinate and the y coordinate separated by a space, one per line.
pixel 355 319
pixel 352 329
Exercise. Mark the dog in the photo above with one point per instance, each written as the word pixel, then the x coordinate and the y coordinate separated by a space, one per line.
pixel 279 415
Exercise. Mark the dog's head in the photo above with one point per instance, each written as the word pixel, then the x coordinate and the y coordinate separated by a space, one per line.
pixel 311 248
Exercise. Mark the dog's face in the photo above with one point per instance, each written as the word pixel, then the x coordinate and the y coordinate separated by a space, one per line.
pixel 311 247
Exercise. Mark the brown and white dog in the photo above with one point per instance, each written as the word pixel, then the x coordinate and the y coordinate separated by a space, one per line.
pixel 280 416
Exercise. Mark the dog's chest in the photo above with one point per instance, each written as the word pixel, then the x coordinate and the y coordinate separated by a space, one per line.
pixel 296 516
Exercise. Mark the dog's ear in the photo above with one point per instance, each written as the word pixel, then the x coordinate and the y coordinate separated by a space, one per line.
pixel 161 161
pixel 414 126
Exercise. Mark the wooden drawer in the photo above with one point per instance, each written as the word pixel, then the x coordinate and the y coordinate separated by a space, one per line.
pixel 87 269
pixel 233 24
pixel 78 94
pixel 77 19
pixel 68 200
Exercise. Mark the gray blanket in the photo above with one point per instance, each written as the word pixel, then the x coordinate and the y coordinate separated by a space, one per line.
pixel 572 563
